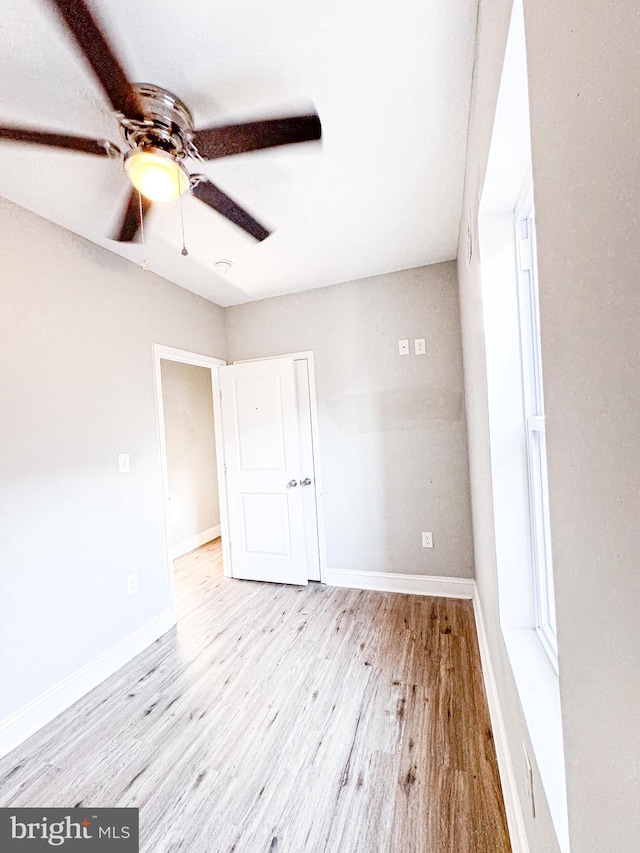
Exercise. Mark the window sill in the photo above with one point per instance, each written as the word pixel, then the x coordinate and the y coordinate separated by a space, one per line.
pixel 539 692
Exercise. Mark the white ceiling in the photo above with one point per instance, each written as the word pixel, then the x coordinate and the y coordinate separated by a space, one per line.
pixel 391 82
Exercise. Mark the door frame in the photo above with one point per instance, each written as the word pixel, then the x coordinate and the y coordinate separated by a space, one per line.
pixel 167 353
pixel 315 443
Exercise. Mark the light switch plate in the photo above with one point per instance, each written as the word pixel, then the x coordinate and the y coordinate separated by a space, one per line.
pixel 420 346
pixel 403 347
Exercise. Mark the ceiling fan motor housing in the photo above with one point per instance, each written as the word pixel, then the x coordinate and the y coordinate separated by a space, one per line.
pixel 163 122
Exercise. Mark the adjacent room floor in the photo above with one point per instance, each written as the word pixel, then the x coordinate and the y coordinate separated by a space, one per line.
pixel 280 719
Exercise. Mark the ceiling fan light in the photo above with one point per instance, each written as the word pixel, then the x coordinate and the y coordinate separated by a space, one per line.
pixel 156 174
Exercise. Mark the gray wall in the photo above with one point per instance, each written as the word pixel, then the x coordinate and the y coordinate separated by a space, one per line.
pixel 392 432
pixel 583 67
pixel 585 129
pixel 191 449
pixel 77 326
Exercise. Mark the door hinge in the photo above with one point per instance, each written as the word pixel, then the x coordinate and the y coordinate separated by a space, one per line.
pixel 526 256
pixel 525 245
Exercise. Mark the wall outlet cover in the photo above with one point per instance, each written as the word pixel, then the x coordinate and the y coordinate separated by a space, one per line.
pixel 427 540
pixel 420 346
pixel 403 347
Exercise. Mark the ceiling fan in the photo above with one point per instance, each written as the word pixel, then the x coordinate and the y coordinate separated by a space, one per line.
pixel 158 129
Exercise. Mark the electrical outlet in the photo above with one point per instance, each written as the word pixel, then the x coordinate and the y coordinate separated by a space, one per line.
pixel 420 347
pixel 124 465
pixel 132 584
pixel 427 540
pixel 528 780
pixel 403 347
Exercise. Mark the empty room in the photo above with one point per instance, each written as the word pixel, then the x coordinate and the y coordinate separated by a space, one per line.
pixel 320 454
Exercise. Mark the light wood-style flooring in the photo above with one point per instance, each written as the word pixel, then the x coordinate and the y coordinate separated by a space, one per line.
pixel 280 719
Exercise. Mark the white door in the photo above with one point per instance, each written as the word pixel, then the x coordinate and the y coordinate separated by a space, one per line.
pixel 262 459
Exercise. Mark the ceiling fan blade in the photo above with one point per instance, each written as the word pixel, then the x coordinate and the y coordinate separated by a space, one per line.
pixel 130 224
pixel 99 55
pixel 101 147
pixel 215 198
pixel 214 142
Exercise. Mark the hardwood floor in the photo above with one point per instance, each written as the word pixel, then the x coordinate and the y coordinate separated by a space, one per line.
pixel 281 719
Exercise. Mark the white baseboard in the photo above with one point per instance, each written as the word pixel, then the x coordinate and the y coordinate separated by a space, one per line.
pixel 195 541
pixel 513 808
pixel 40 711
pixel 392 582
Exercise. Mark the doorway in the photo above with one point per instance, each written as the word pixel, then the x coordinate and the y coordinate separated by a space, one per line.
pixel 187 400
pixel 250 517
pixel 194 510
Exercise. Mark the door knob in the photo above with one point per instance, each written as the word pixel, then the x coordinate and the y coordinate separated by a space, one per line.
pixel 306 481
pixel 292 484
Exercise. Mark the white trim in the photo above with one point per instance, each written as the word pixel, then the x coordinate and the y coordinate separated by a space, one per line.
pixel 184 357
pixel 296 356
pixel 15 729
pixel 195 541
pixel 315 449
pixel 223 505
pixel 395 582
pixel 315 446
pixel 512 805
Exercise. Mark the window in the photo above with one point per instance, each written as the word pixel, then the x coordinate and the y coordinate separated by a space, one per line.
pixel 535 425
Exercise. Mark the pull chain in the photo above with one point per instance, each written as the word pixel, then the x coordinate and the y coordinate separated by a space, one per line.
pixel 184 248
pixel 144 261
